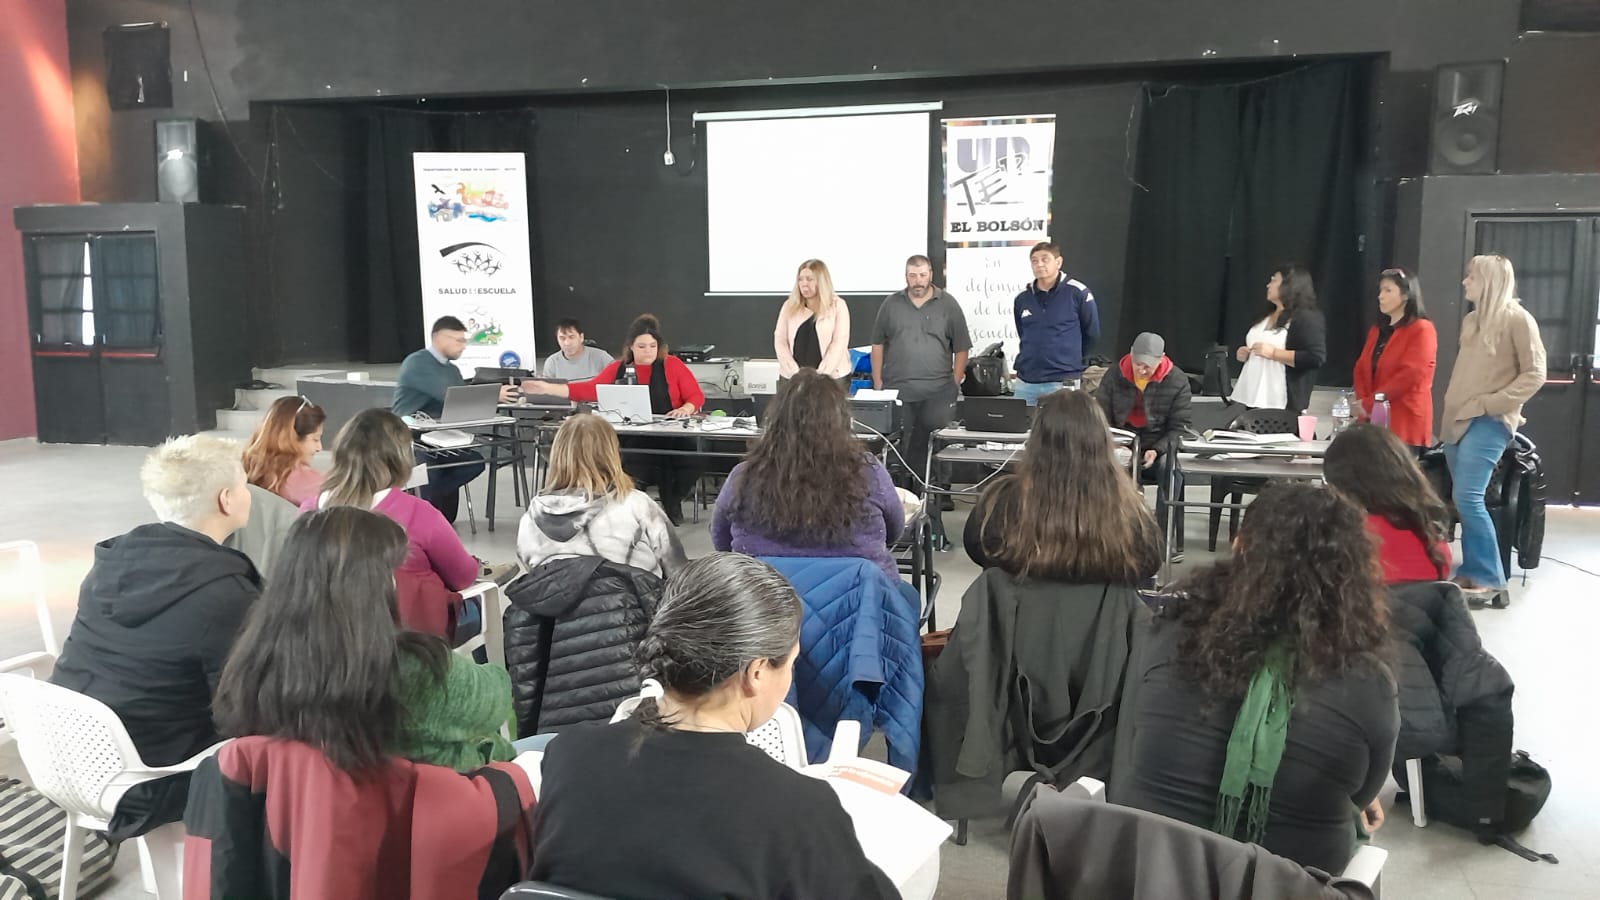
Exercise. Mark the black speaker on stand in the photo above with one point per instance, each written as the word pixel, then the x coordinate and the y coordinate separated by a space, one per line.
pixel 178 161
pixel 1465 139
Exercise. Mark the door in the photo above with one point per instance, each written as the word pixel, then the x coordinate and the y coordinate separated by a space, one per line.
pixel 1557 262
pixel 94 307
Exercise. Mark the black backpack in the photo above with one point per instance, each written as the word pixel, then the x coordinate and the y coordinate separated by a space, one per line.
pixel 986 373
pixel 1527 789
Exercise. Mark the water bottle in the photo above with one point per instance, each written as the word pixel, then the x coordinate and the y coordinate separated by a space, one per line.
pixel 630 374
pixel 1380 410
pixel 1341 412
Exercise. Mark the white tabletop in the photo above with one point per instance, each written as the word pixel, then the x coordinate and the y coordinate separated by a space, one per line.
pixel 1287 448
pixel 470 423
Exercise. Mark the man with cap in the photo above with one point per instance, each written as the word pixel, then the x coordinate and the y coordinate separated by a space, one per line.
pixel 1146 394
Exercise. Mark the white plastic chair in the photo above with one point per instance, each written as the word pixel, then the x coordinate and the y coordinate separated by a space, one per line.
pixel 79 755
pixel 782 737
pixel 27 578
pixel 1419 814
pixel 491 607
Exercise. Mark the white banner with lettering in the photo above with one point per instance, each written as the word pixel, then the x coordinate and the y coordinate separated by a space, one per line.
pixel 472 239
pixel 997 177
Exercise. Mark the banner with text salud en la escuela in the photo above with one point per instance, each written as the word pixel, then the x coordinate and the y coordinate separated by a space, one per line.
pixel 472 240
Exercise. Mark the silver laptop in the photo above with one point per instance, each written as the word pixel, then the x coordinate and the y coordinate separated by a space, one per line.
pixel 472 403
pixel 629 401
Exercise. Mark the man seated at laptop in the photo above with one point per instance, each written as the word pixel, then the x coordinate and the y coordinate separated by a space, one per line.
pixel 1148 395
pixel 576 361
pixel 157 614
pixel 425 376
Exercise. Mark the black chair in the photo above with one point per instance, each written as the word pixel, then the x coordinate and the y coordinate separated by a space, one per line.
pixel 538 890
pixel 1254 421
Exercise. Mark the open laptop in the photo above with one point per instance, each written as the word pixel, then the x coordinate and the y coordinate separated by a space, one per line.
pixel 1001 415
pixel 629 402
pixel 472 403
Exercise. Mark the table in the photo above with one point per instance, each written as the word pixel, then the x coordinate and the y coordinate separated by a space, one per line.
pixel 494 442
pixel 1289 460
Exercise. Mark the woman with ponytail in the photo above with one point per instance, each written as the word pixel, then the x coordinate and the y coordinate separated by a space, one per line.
pixel 674 802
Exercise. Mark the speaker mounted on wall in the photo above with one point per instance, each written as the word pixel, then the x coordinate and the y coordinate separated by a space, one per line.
pixel 178 161
pixel 1466 119
pixel 139 66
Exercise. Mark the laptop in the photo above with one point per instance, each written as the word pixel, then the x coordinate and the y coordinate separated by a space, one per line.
pixel 531 399
pixel 472 403
pixel 500 375
pixel 1001 415
pixel 630 402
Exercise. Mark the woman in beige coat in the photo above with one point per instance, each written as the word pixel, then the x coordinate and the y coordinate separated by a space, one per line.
pixel 813 327
pixel 1499 366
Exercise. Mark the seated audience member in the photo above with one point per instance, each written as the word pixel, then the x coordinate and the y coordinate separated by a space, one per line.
pixel 371 466
pixel 674 393
pixel 1070 513
pixel 424 378
pixel 721 649
pixel 157 614
pixel 589 507
pixel 1266 707
pixel 262 537
pixel 334 584
pixel 279 454
pixel 809 487
pixel 1148 395
pixel 1370 465
pixel 576 361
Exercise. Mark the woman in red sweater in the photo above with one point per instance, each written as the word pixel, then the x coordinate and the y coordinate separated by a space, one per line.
pixel 674 393
pixel 1399 358
pixel 1371 466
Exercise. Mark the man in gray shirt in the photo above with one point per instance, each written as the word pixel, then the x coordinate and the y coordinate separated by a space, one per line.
pixel 919 348
pixel 575 362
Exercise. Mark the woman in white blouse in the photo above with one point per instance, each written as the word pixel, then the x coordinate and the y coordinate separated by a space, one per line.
pixel 813 327
pixel 1283 351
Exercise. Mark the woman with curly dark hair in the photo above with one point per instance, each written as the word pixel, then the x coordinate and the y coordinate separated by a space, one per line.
pixel 1070 513
pixel 1283 351
pixel 1372 466
pixel 1266 708
pixel 808 487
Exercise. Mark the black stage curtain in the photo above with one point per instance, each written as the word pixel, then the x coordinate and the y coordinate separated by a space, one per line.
pixel 387 321
pixel 1237 178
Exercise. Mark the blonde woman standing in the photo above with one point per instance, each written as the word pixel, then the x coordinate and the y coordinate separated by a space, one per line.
pixel 1499 366
pixel 589 507
pixel 813 327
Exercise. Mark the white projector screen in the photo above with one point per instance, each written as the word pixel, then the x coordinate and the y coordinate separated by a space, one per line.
pixel 850 190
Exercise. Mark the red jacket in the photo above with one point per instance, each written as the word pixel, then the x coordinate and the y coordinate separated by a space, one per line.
pixel 682 386
pixel 1405 377
pixel 1403 555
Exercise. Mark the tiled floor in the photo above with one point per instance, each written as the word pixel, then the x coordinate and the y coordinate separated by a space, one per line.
pixel 67 497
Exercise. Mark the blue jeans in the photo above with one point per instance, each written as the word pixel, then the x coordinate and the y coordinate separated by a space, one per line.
pixel 1472 461
pixel 533 742
pixel 1032 392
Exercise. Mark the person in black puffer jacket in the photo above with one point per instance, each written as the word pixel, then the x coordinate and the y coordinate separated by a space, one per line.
pixel 1455 698
pixel 585 615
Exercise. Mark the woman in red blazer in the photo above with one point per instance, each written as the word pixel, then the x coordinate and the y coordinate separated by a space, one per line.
pixel 1399 358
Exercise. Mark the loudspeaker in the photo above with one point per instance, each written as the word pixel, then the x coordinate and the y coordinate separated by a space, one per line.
pixel 177 161
pixel 1466 119
pixel 139 66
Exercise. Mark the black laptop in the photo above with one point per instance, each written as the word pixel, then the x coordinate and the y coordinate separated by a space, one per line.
pixel 1001 415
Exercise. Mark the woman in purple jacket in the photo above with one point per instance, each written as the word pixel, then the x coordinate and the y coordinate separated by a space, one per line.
pixel 808 487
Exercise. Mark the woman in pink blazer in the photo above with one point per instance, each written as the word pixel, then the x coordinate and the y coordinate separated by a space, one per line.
pixel 813 327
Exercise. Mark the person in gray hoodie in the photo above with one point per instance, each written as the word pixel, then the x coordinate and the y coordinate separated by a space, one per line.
pixel 157 616
pixel 589 507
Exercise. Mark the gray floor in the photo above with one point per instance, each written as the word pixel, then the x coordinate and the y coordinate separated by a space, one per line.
pixel 67 497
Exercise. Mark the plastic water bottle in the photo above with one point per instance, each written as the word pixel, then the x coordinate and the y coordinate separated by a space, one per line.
pixel 1380 410
pixel 1341 412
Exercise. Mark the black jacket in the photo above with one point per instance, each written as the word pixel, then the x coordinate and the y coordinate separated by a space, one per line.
pixel 1455 698
pixel 1308 338
pixel 585 615
pixel 1166 406
pixel 156 618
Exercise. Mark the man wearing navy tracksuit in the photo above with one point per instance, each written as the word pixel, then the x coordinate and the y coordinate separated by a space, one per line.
pixel 1056 321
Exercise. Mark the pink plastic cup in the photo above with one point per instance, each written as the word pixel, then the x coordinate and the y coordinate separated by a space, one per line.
pixel 1308 428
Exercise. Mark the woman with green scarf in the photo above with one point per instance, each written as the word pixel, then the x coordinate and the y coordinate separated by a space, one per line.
pixel 1266 707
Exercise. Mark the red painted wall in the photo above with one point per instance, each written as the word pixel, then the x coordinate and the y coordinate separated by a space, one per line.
pixel 38 164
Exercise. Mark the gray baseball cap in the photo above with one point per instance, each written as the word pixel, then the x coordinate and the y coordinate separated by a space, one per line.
pixel 1148 348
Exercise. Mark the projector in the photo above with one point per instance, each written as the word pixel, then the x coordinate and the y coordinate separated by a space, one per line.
pixel 694 353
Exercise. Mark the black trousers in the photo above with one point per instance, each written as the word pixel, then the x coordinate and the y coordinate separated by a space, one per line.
pixel 673 476
pixel 443 492
pixel 919 420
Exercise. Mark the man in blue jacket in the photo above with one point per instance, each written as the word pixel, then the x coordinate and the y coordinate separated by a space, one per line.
pixel 1056 322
